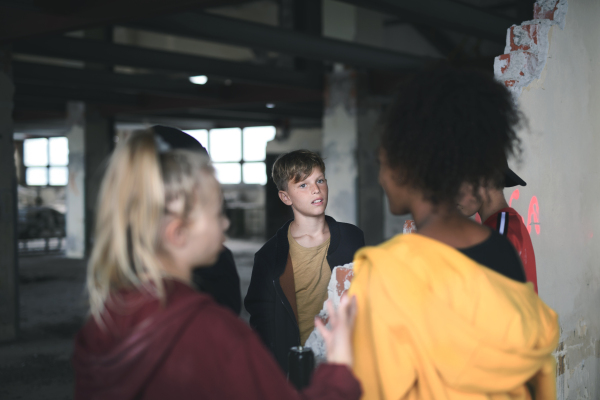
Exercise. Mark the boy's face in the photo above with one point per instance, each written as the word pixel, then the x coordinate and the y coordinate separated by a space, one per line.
pixel 308 197
pixel 468 204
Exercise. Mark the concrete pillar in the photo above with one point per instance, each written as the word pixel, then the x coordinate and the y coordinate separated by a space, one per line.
pixel 76 187
pixel 349 131
pixel 9 299
pixel 90 143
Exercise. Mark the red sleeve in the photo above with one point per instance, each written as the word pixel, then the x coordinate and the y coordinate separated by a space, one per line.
pixel 220 357
pixel 519 237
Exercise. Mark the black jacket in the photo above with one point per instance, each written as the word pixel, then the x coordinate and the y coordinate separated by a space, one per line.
pixel 221 281
pixel 271 313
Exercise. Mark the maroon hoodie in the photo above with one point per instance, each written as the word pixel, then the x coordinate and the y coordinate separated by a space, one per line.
pixel 191 348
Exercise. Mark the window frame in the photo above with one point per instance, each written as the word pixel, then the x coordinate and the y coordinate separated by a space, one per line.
pixel 48 163
pixel 242 160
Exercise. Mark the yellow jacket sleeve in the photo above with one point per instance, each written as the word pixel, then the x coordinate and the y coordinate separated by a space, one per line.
pixel 390 348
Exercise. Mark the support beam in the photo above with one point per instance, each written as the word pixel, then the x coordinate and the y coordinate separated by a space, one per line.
pixel 242 33
pixel 133 56
pixel 50 94
pixel 9 297
pixel 91 139
pixel 75 218
pixel 444 14
pixel 57 77
pixel 46 17
pixel 350 153
pixel 234 118
pixel 350 141
pixel 47 84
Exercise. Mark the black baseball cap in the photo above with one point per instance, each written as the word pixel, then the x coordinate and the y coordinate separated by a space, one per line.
pixel 511 179
pixel 178 139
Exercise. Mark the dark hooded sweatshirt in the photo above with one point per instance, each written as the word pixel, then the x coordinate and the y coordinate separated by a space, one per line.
pixel 191 348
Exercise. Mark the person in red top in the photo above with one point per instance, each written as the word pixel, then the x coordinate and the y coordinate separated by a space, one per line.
pixel 150 334
pixel 495 213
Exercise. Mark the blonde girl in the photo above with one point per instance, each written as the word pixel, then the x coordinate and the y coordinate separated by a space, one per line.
pixel 150 334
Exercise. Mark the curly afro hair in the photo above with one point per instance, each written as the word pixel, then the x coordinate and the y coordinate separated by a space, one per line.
pixel 447 126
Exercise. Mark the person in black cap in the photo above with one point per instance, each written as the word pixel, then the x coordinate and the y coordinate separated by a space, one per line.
pixel 221 280
pixel 495 213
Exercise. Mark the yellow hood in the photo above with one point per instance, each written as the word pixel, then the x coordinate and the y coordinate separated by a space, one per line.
pixel 434 324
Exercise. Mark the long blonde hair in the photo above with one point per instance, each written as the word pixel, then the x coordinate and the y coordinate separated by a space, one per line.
pixel 143 177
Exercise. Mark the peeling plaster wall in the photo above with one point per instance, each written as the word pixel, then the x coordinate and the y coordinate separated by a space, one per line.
pixel 562 168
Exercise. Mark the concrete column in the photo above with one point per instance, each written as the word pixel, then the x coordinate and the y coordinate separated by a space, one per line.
pixel 350 150
pixel 90 143
pixel 9 298
pixel 340 140
pixel 76 187
pixel 349 129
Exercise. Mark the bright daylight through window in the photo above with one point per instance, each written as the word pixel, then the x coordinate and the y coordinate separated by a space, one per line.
pixel 46 161
pixel 238 155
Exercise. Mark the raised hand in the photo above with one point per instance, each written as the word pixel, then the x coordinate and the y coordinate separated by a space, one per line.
pixel 338 339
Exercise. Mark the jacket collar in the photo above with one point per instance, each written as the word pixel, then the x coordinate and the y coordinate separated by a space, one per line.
pixel 283 246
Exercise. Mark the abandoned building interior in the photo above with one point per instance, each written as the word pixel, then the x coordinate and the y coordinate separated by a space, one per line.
pixel 252 80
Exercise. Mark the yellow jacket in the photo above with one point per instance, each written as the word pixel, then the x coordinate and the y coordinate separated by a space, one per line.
pixel 434 324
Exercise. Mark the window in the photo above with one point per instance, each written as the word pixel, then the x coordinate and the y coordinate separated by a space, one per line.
pixel 46 161
pixel 238 155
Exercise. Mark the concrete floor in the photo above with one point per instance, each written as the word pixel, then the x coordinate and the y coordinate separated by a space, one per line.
pixel 37 365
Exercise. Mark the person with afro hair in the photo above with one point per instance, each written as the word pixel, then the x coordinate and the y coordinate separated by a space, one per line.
pixel 446 313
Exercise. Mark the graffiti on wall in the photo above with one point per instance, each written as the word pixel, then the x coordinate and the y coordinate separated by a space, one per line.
pixel 533 212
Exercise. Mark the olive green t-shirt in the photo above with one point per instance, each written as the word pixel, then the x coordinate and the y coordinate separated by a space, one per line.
pixel 311 277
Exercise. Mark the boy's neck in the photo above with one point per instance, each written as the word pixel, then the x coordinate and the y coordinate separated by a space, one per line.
pixel 493 201
pixel 308 225
pixel 309 231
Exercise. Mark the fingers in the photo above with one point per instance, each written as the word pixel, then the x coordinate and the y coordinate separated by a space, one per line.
pixel 347 310
pixel 333 316
pixel 322 329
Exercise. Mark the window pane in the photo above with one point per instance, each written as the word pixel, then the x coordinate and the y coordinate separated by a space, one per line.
pixel 200 135
pixel 59 152
pixel 226 144
pixel 255 173
pixel 229 173
pixel 59 176
pixel 35 152
pixel 36 176
pixel 255 142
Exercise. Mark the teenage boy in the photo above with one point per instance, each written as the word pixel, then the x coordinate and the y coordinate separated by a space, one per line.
pixel 292 270
pixel 496 214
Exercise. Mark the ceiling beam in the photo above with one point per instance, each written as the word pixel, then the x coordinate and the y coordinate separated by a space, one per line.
pixel 235 118
pixel 51 94
pixel 54 76
pixel 444 14
pixel 133 56
pixel 47 17
pixel 54 81
pixel 264 37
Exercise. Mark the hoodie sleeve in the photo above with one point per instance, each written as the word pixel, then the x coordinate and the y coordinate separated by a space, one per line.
pixel 383 358
pixel 220 357
pixel 258 376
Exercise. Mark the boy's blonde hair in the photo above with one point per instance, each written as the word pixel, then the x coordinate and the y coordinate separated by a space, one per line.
pixel 295 166
pixel 143 177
